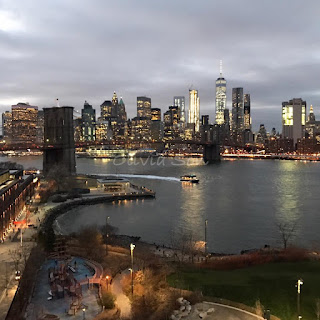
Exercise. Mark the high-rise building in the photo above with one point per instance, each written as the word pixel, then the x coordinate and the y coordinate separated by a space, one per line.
pixel 237 114
pixel 88 115
pixel 106 109
pixel 293 119
pixel 155 114
pixel 24 123
pixel 179 101
pixel 171 121
pixel 7 126
pixel 40 127
pixel 247 112
pixel 194 110
pixel 144 107
pixel 221 97
pixel 205 120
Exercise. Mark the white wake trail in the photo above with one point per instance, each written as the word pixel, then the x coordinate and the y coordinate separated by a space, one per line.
pixel 140 176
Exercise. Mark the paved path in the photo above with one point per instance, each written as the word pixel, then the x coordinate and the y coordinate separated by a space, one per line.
pixel 122 300
pixel 221 312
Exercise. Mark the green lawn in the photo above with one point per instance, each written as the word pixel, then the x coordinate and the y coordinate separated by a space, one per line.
pixel 273 284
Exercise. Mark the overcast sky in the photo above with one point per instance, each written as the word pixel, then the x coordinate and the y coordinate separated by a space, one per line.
pixel 78 50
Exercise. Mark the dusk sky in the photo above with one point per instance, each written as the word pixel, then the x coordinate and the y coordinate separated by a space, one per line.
pixel 78 50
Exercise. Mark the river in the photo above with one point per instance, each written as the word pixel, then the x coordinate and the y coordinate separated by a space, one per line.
pixel 243 201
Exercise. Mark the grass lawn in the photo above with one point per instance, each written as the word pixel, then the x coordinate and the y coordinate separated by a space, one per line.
pixel 273 284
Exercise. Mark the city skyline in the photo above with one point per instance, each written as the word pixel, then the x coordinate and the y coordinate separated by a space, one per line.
pixel 55 54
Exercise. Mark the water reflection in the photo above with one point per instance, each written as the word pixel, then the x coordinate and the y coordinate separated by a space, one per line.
pixel 289 186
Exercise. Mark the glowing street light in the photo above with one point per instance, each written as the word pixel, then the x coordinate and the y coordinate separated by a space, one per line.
pixel 107 281
pixel 205 237
pixel 84 313
pixel 132 246
pixel 298 285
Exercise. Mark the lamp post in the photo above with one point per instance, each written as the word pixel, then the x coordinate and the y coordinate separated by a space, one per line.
pixel 84 313
pixel 107 234
pixel 205 237
pixel 298 285
pixel 132 246
pixel 107 281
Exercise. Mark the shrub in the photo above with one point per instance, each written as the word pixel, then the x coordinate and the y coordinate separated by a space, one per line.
pixel 107 300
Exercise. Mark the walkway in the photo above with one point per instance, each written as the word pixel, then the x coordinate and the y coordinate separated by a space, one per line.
pixel 122 301
pixel 220 312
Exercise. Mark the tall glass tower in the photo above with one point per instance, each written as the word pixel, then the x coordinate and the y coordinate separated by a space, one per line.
pixel 221 97
pixel 194 109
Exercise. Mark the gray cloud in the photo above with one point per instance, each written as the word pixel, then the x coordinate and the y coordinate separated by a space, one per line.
pixel 84 50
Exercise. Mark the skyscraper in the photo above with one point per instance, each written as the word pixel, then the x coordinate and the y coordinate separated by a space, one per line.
pixel 7 126
pixel 194 110
pixel 221 97
pixel 179 101
pixel 237 114
pixel 24 123
pixel 293 119
pixel 144 107
pixel 247 112
pixel 88 115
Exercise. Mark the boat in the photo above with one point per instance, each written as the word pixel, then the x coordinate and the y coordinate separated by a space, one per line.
pixel 189 178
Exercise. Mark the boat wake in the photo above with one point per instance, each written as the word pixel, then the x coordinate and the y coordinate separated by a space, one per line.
pixel 141 176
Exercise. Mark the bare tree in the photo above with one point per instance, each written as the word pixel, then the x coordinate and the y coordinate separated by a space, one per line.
pixel 15 257
pixel 185 244
pixel 25 252
pixel 286 231
pixel 61 177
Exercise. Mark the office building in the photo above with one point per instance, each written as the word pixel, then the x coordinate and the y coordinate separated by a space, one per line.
pixel 247 112
pixel 144 107
pixel 155 114
pixel 179 101
pixel 7 126
pixel 88 116
pixel 293 119
pixel 237 115
pixel 221 97
pixel 194 110
pixel 40 127
pixel 24 123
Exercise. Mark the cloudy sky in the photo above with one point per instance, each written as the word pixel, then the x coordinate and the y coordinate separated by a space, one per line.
pixel 78 50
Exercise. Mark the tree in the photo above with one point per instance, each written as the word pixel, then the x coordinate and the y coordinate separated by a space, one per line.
pixel 286 231
pixel 185 244
pixel 90 239
pixel 15 257
pixel 107 232
pixel 60 175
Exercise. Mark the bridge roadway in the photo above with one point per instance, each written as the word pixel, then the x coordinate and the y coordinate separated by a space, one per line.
pixel 211 151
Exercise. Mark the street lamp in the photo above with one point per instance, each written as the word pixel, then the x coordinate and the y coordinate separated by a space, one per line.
pixel 84 313
pixel 205 237
pixel 107 281
pixel 132 246
pixel 298 285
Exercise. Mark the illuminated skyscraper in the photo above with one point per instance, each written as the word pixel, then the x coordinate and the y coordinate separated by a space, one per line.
pixel 194 109
pixel 293 119
pixel 179 101
pixel 247 115
pixel 144 107
pixel 7 126
pixel 237 114
pixel 24 123
pixel 221 97
pixel 88 115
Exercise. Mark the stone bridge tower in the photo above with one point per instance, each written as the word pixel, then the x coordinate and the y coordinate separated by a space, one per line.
pixel 59 149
